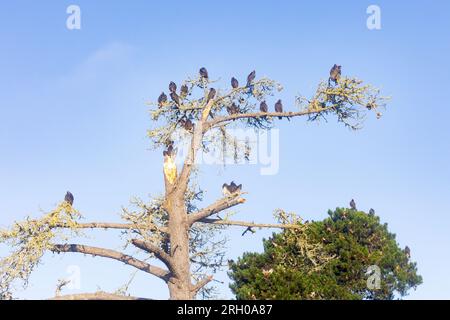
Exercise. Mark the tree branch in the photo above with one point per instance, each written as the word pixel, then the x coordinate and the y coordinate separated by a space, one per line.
pixel 107 253
pixel 112 225
pixel 200 284
pixel 216 207
pixel 151 248
pixel 96 296
pixel 218 120
pixel 250 224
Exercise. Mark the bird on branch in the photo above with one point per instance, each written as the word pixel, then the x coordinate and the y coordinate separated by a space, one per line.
pixel 69 198
pixel 353 204
pixel 172 87
pixel 279 107
pixel 251 77
pixel 211 94
pixel 408 252
pixel 204 73
pixel 175 97
pixel 371 212
pixel 231 189
pixel 335 74
pixel 234 83
pixel 184 91
pixel 162 99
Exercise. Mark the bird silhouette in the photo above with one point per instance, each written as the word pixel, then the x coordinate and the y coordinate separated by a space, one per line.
pixel 251 77
pixel 172 87
pixel 162 99
pixel 203 73
pixel 408 252
pixel 372 212
pixel 69 198
pixel 234 83
pixel 247 230
pixel 279 107
pixel 175 98
pixel 226 191
pixel 263 107
pixel 184 91
pixel 211 95
pixel 353 204
pixel 335 74
pixel 188 125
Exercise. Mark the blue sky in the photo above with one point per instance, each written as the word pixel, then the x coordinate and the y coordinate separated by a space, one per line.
pixel 73 117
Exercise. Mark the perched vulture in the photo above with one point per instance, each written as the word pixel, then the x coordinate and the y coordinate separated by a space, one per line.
pixel 184 91
pixel 250 78
pixel 230 189
pixel 353 204
pixel 279 108
pixel 69 198
pixel 188 125
pixel 408 252
pixel 172 87
pixel 234 83
pixel 211 95
pixel 233 109
pixel 203 73
pixel 162 99
pixel 372 212
pixel 175 98
pixel 263 107
pixel 335 73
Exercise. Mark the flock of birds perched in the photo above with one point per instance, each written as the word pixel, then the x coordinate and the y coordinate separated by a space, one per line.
pixel 335 75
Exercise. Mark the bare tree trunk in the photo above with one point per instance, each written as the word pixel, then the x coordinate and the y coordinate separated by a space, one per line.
pixel 180 286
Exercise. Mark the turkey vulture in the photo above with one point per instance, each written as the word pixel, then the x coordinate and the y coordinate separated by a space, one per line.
pixel 69 198
pixel 335 74
pixel 162 99
pixel 175 97
pixel 263 107
pixel 203 73
pixel 279 108
pixel 234 83
pixel 188 125
pixel 353 204
pixel 371 212
pixel 184 90
pixel 172 87
pixel 250 78
pixel 226 191
pixel 408 252
pixel 211 94
pixel 233 109
pixel 235 188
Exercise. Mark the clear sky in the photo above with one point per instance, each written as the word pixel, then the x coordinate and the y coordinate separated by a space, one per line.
pixel 73 117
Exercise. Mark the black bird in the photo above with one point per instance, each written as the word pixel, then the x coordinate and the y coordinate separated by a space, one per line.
pixel 234 83
pixel 211 94
pixel 335 74
pixel 226 191
pixel 172 87
pixel 247 230
pixel 263 107
pixel 175 97
pixel 279 108
pixel 184 91
pixel 162 99
pixel 372 212
pixel 188 125
pixel 235 188
pixel 250 78
pixel 408 252
pixel 203 73
pixel 353 204
pixel 69 198
pixel 233 109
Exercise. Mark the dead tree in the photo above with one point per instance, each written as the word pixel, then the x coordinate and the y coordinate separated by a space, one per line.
pixel 171 228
